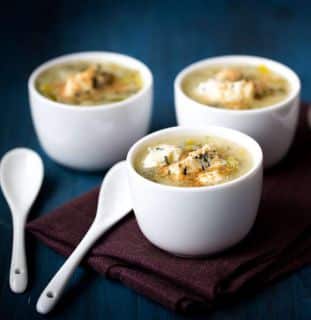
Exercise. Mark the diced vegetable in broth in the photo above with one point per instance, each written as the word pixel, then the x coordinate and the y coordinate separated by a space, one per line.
pixel 238 87
pixel 84 83
pixel 193 161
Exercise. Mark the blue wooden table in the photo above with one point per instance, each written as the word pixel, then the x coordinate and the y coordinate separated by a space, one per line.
pixel 166 35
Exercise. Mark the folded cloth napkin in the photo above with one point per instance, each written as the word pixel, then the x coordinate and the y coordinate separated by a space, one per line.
pixel 279 243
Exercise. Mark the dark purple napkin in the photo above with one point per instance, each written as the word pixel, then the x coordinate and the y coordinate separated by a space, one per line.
pixel 279 243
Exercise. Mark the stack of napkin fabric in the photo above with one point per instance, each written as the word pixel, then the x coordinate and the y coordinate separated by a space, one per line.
pixel 279 243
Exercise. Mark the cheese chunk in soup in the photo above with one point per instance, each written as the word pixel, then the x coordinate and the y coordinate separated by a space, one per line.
pixel 161 154
pixel 193 162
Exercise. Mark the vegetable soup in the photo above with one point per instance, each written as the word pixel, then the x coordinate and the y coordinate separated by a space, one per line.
pixel 193 161
pixel 85 83
pixel 238 87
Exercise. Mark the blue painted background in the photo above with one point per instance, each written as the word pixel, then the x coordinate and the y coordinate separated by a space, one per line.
pixel 166 35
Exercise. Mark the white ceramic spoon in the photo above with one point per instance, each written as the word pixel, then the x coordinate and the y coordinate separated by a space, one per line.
pixel 21 176
pixel 113 204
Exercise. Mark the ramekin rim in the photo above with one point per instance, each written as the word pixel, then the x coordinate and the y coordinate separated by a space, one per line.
pixel 279 105
pixel 256 166
pixel 88 108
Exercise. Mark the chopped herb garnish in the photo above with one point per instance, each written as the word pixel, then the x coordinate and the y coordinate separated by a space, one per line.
pixel 185 171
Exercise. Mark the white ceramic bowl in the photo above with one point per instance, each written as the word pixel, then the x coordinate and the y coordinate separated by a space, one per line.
pixel 200 220
pixel 273 127
pixel 91 138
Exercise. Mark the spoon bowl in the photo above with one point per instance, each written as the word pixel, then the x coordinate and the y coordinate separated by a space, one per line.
pixel 21 176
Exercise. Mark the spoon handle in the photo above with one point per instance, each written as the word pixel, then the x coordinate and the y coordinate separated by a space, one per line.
pixel 18 270
pixel 54 289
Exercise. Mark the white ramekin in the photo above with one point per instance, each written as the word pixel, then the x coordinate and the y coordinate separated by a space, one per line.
pixel 272 127
pixel 200 220
pixel 91 138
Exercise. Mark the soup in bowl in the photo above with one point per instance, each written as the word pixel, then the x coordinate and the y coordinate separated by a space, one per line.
pixel 89 83
pixel 196 161
pixel 257 96
pixel 195 191
pixel 89 108
pixel 236 87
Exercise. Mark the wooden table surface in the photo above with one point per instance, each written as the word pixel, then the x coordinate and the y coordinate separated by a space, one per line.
pixel 166 35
